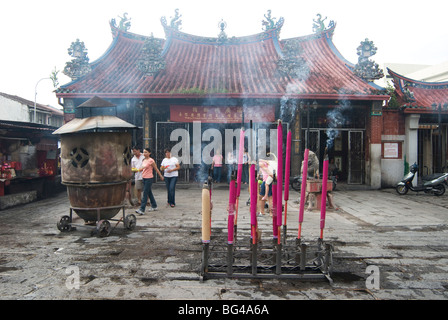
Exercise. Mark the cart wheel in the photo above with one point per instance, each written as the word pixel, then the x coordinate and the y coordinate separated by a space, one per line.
pixel 64 224
pixel 130 222
pixel 103 228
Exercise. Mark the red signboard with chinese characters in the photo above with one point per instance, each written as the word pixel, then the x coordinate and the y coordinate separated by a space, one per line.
pixel 224 114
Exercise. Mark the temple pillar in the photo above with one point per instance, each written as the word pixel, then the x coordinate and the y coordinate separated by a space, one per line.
pixel 376 127
pixel 147 128
pixel 411 139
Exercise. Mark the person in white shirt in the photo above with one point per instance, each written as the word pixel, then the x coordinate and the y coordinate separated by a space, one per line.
pixel 230 162
pixel 170 167
pixel 136 163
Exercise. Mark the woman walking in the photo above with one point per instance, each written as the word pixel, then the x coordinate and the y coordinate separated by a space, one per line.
pixel 217 166
pixel 170 167
pixel 147 169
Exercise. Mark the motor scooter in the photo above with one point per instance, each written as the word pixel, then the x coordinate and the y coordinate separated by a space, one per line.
pixel 434 186
pixel 435 176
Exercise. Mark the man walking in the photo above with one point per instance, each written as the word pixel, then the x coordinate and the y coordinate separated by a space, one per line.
pixel 136 163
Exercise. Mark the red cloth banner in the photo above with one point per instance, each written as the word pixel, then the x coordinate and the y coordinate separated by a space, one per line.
pixel 213 114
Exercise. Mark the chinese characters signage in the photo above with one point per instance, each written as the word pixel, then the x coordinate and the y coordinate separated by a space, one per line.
pixel 213 114
pixel 390 150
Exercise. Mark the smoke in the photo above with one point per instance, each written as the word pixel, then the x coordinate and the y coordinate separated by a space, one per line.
pixel 288 107
pixel 335 120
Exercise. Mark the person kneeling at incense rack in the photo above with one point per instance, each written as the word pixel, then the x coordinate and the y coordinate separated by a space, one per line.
pixel 265 189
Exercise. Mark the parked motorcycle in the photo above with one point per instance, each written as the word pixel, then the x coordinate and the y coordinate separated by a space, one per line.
pixel 434 186
pixel 435 176
pixel 296 182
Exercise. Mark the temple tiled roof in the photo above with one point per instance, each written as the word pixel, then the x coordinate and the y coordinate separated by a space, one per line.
pixel 419 96
pixel 243 67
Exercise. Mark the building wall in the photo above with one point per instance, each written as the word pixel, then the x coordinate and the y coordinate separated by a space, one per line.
pixel 392 168
pixel 14 108
pixel 11 110
pixel 436 73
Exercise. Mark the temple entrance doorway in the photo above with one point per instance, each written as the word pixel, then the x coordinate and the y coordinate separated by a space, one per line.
pixel 346 151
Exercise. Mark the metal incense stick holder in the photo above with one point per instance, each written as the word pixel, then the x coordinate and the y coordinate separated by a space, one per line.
pixel 225 256
pixel 252 257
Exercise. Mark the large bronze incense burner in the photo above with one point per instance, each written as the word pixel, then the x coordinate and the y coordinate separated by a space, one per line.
pixel 96 165
pixel 96 168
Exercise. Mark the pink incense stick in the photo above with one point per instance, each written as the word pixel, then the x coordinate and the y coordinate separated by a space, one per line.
pixel 231 217
pixel 274 210
pixel 240 163
pixel 302 191
pixel 287 172
pixel 287 164
pixel 279 173
pixel 323 203
pixel 239 174
pixel 253 186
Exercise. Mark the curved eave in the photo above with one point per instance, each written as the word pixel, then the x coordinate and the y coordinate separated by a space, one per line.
pixel 425 94
pixel 420 83
pixel 328 63
pixel 228 96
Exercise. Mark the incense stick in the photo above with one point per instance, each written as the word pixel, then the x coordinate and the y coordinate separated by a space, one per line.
pixel 302 191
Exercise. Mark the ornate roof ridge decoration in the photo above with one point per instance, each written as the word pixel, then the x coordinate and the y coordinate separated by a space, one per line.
pixel 172 32
pixel 291 62
pixel 319 25
pixel 222 36
pixel 79 66
pixel 176 22
pixel 151 60
pixel 125 23
pixel 365 68
pixel 134 36
pixel 327 33
pixel 270 24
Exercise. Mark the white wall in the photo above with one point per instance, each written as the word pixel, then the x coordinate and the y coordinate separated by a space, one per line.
pixel 11 110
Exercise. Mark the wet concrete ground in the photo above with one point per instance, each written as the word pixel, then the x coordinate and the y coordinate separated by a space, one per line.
pixel 404 238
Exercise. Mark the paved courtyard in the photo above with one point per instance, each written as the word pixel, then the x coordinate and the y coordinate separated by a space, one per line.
pixel 402 238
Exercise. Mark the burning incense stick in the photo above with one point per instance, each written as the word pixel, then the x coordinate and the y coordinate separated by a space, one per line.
pixel 302 191
pixel 274 209
pixel 323 204
pixel 240 163
pixel 279 178
pixel 253 187
pixel 287 173
pixel 239 174
pixel 231 208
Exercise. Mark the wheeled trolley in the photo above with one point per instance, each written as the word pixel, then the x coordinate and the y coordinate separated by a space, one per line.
pixel 102 227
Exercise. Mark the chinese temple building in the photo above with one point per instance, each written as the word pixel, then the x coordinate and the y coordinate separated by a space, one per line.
pixel 420 116
pixel 226 82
